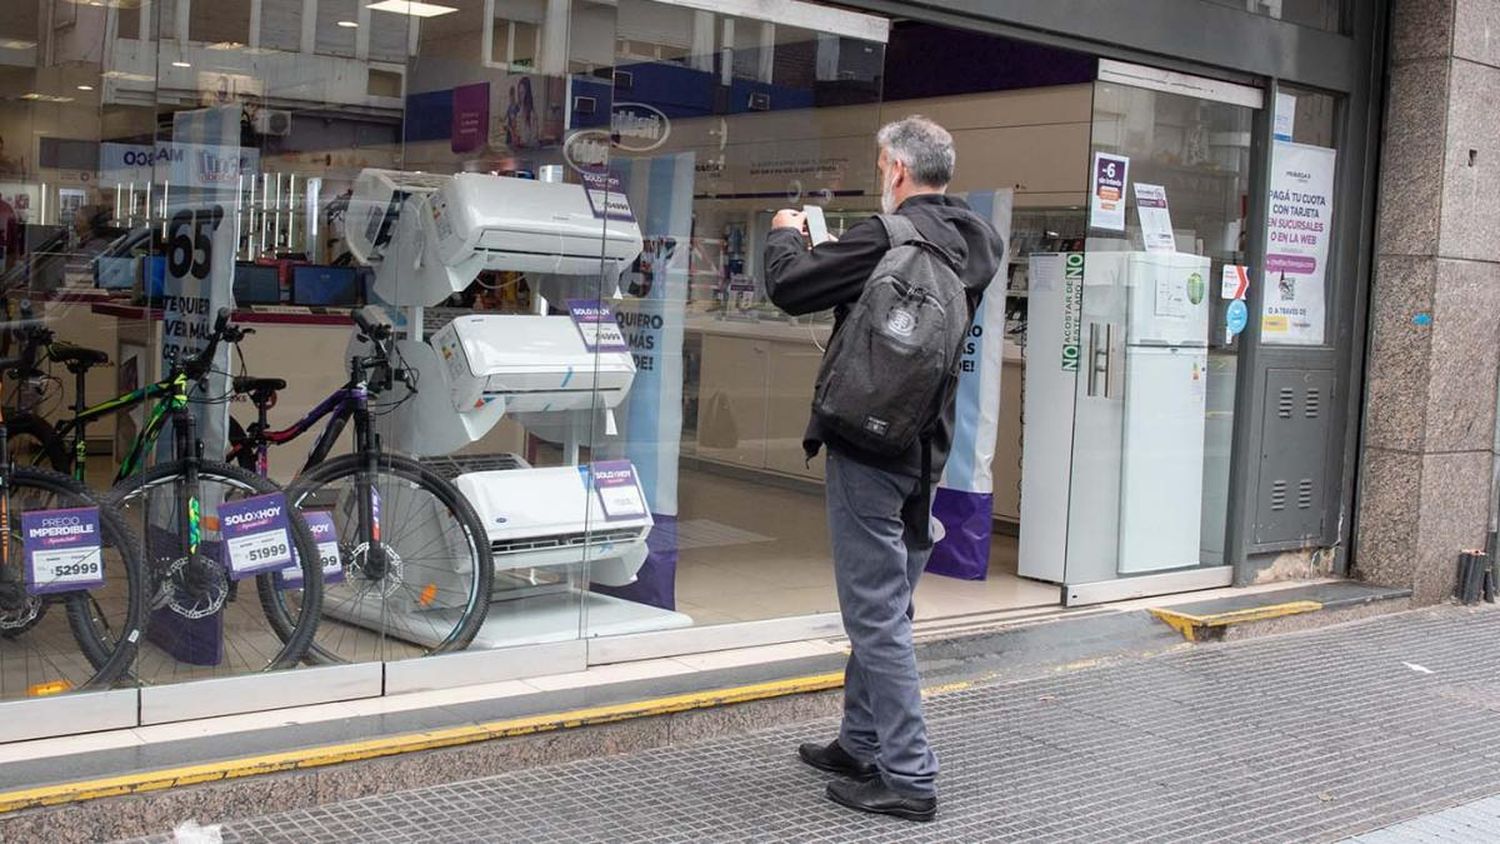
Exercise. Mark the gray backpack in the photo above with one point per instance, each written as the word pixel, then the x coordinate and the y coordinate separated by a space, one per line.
pixel 887 370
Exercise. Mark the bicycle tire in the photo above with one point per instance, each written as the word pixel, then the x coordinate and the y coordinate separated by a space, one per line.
pixel 110 659
pixel 20 423
pixel 475 607
pixel 297 634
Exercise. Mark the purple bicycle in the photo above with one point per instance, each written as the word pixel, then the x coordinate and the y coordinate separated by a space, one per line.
pixel 407 568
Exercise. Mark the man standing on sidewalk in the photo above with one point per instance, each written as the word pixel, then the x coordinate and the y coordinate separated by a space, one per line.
pixel 879 506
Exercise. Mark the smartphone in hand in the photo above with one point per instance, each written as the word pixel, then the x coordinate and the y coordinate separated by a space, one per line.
pixel 817 226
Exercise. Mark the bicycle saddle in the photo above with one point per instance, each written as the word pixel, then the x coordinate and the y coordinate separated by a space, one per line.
pixel 70 354
pixel 251 384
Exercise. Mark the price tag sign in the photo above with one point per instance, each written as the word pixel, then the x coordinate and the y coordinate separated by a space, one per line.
pixel 596 323
pixel 62 550
pixel 256 535
pixel 320 522
pixel 619 493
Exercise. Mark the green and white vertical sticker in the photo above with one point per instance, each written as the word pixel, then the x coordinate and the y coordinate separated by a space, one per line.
pixel 1072 309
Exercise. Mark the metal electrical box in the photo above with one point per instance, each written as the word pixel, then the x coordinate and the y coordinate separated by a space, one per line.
pixel 1291 506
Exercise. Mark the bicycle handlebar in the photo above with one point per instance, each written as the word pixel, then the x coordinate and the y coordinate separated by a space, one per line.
pixel 202 363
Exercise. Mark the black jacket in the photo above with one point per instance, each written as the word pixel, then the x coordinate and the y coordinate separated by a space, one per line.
pixel 833 275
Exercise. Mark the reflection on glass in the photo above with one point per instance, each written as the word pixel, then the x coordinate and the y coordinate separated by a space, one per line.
pixel 1163 377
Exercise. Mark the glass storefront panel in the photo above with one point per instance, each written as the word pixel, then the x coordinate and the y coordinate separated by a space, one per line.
pixel 1160 307
pixel 570 410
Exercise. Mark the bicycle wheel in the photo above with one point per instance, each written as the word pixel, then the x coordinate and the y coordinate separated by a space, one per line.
pixel 202 623
pixel 32 441
pixel 423 588
pixel 92 643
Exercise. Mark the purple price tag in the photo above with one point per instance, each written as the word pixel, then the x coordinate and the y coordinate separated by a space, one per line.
pixel 619 493
pixel 62 550
pixel 596 322
pixel 256 535
pixel 325 534
pixel 606 195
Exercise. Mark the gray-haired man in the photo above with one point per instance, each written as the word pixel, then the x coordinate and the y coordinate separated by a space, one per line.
pixel 878 507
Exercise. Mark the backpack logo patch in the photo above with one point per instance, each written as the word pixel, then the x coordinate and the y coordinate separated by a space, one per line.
pixel 901 322
pixel 878 427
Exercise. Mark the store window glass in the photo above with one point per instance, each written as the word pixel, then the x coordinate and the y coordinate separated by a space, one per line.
pixel 1300 233
pixel 336 33
pixel 72 592
pixel 1157 335
pixel 281 24
pixel 1319 14
pixel 219 23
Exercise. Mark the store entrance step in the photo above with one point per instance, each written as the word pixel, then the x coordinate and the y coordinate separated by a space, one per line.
pixel 1297 608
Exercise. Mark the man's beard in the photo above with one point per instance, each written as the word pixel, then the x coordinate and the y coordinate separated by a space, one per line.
pixel 887 197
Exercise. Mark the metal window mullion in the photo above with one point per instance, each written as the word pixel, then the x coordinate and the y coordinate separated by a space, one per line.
pixel 1244 465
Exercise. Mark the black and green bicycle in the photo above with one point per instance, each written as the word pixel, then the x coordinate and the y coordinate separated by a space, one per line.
pixel 201 622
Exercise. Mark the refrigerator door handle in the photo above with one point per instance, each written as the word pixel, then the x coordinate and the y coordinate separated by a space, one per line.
pixel 1100 359
pixel 1114 386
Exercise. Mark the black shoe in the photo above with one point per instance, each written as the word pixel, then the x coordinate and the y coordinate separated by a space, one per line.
pixel 877 798
pixel 836 760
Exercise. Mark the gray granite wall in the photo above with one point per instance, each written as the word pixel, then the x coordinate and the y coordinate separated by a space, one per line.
pixel 1425 480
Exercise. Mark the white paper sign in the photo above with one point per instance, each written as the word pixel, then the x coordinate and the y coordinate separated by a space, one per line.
pixel 1156 218
pixel 1300 225
pixel 1286 116
pixel 1172 295
pixel 1107 191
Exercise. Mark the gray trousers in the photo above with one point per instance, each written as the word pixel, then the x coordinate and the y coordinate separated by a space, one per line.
pixel 877 560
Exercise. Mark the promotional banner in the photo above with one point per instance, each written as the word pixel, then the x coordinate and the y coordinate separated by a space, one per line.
pixel 650 315
pixel 1107 191
pixel 964 502
pixel 200 247
pixel 1299 227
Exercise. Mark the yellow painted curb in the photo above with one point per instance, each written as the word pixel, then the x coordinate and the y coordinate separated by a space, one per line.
pixel 1191 626
pixel 334 754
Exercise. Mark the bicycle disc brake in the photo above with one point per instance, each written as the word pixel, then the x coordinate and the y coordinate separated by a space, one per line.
pixel 193 588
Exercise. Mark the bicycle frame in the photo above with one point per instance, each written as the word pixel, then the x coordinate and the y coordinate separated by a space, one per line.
pixel 171 396
pixel 350 401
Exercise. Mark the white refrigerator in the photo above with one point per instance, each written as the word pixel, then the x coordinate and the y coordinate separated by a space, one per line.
pixel 1116 378
pixel 1166 379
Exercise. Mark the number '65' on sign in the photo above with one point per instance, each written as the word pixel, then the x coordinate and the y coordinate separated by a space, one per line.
pixel 190 244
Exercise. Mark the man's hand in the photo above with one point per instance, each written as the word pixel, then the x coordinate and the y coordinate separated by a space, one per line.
pixel 788 218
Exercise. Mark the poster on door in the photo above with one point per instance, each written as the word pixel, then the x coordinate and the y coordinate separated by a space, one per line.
pixel 1107 193
pixel 1300 225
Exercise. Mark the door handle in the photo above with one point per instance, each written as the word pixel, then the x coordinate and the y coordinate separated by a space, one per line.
pixel 1111 364
pixel 1098 358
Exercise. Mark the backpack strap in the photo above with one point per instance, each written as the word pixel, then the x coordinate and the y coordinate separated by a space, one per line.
pixel 900 230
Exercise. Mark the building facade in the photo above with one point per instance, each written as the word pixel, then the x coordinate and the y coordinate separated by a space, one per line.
pixel 1204 364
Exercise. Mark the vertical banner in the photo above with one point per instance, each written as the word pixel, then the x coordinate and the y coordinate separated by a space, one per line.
pixel 200 247
pixel 964 502
pixel 1298 231
pixel 651 315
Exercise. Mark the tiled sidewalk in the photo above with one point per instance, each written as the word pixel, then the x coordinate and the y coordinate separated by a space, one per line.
pixel 1315 736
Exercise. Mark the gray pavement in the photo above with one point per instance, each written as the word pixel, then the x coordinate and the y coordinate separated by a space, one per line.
pixel 1317 736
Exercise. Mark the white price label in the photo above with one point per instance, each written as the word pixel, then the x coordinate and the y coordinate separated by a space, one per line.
pixel 333 566
pixel 67 567
pixel 259 552
pixel 622 501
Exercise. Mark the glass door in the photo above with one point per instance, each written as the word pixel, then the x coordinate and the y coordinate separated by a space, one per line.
pixel 1160 306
